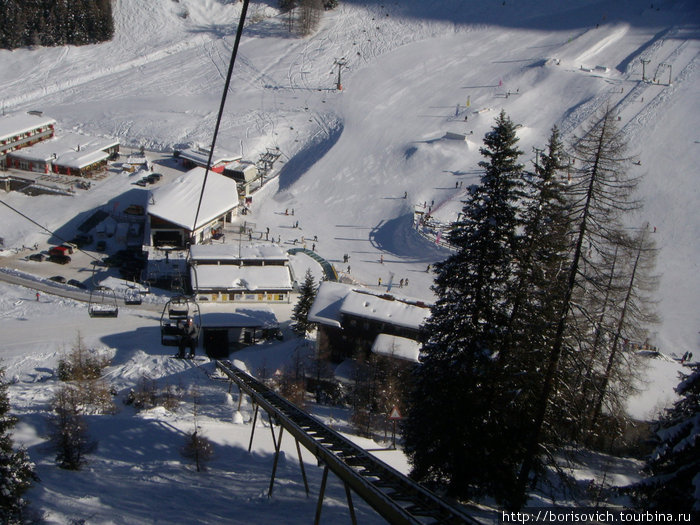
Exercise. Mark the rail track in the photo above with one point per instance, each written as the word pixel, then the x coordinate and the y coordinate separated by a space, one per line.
pixel 394 496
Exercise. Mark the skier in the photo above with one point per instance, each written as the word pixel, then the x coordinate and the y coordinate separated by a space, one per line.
pixel 37 296
pixel 188 338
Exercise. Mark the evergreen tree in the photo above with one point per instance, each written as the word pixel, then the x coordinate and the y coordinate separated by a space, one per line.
pixel 600 196
pixel 300 315
pixel 16 471
pixel 70 436
pixel 535 295
pixel 674 466
pixel 47 22
pixel 452 432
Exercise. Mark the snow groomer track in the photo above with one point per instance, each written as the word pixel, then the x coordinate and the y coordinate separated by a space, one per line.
pixel 394 496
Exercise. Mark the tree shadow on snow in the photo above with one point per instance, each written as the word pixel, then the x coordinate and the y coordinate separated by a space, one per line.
pixel 308 156
pixel 397 237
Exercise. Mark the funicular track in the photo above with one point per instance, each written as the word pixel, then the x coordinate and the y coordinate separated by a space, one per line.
pixel 395 497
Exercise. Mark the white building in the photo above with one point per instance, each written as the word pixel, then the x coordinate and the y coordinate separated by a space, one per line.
pixel 240 273
pixel 173 207
pixel 198 157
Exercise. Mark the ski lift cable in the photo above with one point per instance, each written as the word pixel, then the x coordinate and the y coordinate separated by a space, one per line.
pixel 51 232
pixel 234 52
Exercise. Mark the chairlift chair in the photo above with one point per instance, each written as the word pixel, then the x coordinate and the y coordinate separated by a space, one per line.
pixel 132 296
pixel 175 312
pixel 103 302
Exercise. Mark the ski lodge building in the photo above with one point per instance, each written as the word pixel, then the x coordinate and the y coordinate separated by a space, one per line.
pixel 172 209
pixel 69 154
pixel 240 273
pixel 352 319
pixel 23 130
pixel 198 157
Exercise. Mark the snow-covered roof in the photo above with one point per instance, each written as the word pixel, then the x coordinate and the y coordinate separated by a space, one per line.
pixel 18 123
pixel 336 299
pixel 71 150
pixel 386 308
pixel 177 202
pixel 326 306
pixel 235 252
pixel 241 278
pixel 200 156
pixel 257 317
pixel 395 346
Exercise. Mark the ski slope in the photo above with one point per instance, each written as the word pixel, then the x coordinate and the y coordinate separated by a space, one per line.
pixel 417 74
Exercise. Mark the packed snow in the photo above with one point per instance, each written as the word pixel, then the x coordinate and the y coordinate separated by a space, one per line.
pixel 421 85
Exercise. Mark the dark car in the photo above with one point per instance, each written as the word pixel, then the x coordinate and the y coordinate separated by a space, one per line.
pixel 39 257
pixel 58 279
pixel 77 284
pixel 59 259
pixel 154 177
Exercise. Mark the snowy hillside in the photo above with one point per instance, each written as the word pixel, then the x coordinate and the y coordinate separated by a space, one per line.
pixel 418 75
pixel 412 75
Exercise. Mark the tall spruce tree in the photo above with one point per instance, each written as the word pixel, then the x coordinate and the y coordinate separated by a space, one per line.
pixel 601 194
pixel 674 466
pixel 453 433
pixel 300 315
pixel 16 470
pixel 535 295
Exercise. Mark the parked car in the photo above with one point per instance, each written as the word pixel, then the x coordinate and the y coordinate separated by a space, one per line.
pixel 77 284
pixel 142 182
pixel 59 259
pixel 154 177
pixel 58 279
pixel 39 257
pixel 101 246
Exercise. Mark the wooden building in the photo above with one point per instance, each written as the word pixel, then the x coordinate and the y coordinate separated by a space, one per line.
pixel 353 320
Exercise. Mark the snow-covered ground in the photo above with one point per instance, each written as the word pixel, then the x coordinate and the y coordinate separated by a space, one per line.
pixel 416 71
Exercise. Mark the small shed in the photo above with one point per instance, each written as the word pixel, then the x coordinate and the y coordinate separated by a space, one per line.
pixel 226 332
pixel 199 157
pixel 244 173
